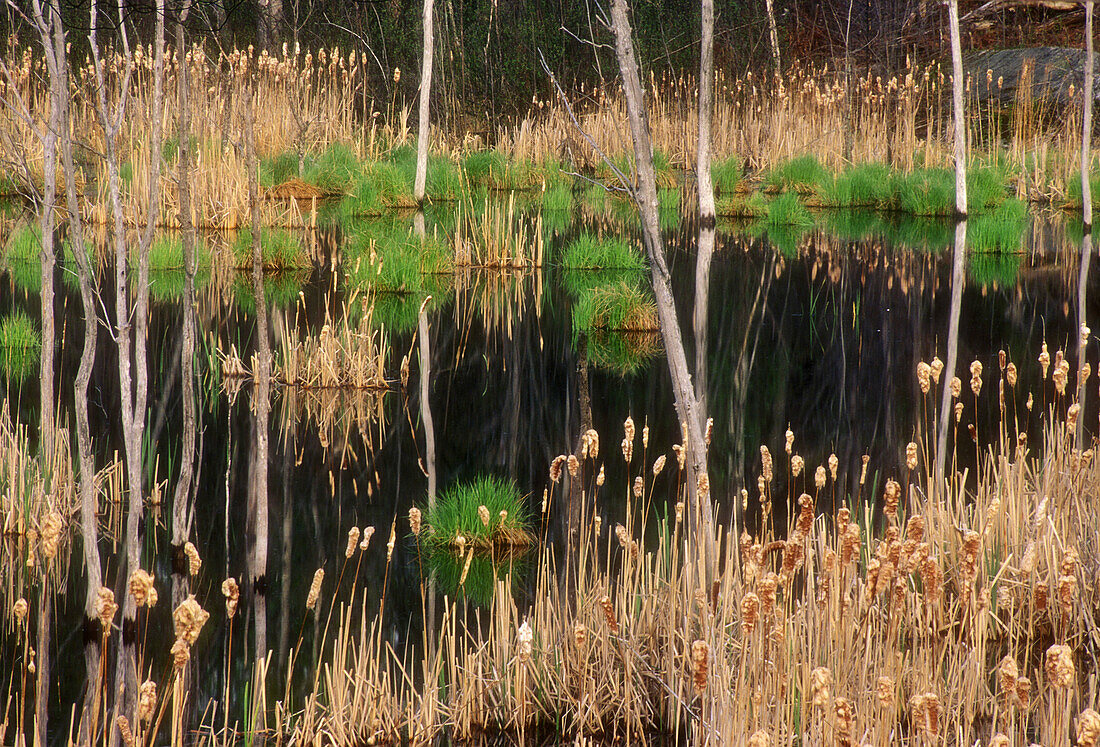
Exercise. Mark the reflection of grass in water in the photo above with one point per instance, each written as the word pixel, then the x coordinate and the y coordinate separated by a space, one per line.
pixel 925 234
pixel 1003 230
pixel 481 577
pixel 26 276
pixel 166 253
pixel 20 346
pixel 668 208
pixel 618 307
pixel 788 210
pixel 558 197
pixel 988 268
pixel 623 353
pixel 578 282
pixel 280 289
pixel 166 286
pixel 595 197
pixel 784 239
pixel 853 225
pixel 555 222
pixel 23 258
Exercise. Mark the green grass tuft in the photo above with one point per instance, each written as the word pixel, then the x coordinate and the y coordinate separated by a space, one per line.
pixel 726 175
pixel 335 171
pixel 275 170
pixel 800 174
pixel 558 198
pixel 788 210
pixel 20 346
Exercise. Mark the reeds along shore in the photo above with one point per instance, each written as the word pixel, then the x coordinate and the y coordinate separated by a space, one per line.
pixel 315 101
pixel 918 611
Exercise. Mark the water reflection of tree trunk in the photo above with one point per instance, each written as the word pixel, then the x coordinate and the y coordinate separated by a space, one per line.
pixel 257 522
pixel 958 281
pixel 181 500
pixel 1082 324
pixel 425 352
pixel 573 486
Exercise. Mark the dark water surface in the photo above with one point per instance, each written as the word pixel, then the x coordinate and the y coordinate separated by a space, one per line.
pixel 821 334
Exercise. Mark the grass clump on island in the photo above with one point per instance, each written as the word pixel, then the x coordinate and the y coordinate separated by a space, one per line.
pixel 279 250
pixel 487 516
pixel 20 346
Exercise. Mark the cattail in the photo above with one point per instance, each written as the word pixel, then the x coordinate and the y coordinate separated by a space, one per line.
pixel 931 577
pixel 645 437
pixel 181 654
pixel 700 652
pixel 123 723
pixel 821 680
pixel 573 464
pixel 797 465
pixel 414 525
pixel 1011 374
pixel 750 609
pixel 1044 360
pixel 924 377
pixel 955 386
pixel 593 443
pixel 766 464
pixel 628 450
pixel 702 485
pixel 628 429
pixel 1039 596
pixel 789 440
pixel 976 385
pixel 1084 374
pixel 850 544
pixel 884 692
pixel 19 610
pixel 51 534
pixel 1023 691
pixel 367 534
pixel 621 535
pixel 968 556
pixel 937 369
pixel 999 740
pixel 863 470
pixel 805 523
pixel 679 511
pixel 105 608
pixel 891 498
pixel 392 542
pixel 1060 377
pixel 188 620
pixel 141 581
pixel 315 588
pixel 1067 594
pixel 524 636
pixel 819 478
pixel 924 710
pixel 580 635
pixel 914 528
pixel 708 431
pixel 958 412
pixel 147 701
pixel 639 487
pixel 845 716
pixel 766 589
pixel 1088 728
pixel 353 533
pixel 483 514
pixel 911 456
pixel 1007 675
pixel 834 465
pixel 466 567
pixel 232 593
pixel 1071 416
pixel 609 614
pixel 658 465
pixel 759 739
pixel 194 562
pixel 600 477
pixel 1059 667
pixel 555 468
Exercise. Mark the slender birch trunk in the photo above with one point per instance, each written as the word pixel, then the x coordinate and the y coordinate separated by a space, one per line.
pixel 706 200
pixel 698 501
pixel 425 90
pixel 257 528
pixel 773 34
pixel 181 499
pixel 1086 129
pixel 958 113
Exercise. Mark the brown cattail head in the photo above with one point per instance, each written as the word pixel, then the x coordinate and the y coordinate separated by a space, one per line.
pixel 555 468
pixel 766 464
pixel 1059 667
pixel 415 517
pixel 797 465
pixel 592 443
pixel 19 610
pixel 805 523
pixel 181 654
pixel 147 701
pixel 232 593
pixel 141 582
pixel 639 487
pixel 524 637
pixel 708 431
pixel 911 456
pixel 628 429
pixel 1007 675
pixel 600 478
pixel 924 710
pixel 789 445
pixel 628 450
pixel 819 477
pixel 483 514
pixel 367 534
pixel 123 723
pixel 353 537
pixel 759 739
pixel 956 387
pixel 658 465
pixel 750 610
pixel 937 369
pixel 700 652
pixel 51 534
pixel 580 635
pixel 573 464
pixel 1039 596
pixel 194 562
pixel 914 528
pixel 821 682
pixel 315 588
pixel 924 377
pixel 188 620
pixel 834 466
pixel 392 542
pixel 609 614
pixel 105 608
pixel 863 469
pixel 1044 359
pixel 885 692
pixel 891 498
pixel 968 556
pixel 1011 374
pixel 1088 728
pixel 1023 692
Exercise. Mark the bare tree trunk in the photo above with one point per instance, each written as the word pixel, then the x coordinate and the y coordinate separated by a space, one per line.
pixel 699 504
pixel 181 499
pixel 88 520
pixel 773 35
pixel 270 17
pixel 257 529
pixel 706 200
pixel 959 113
pixel 958 282
pixel 1086 129
pixel 425 90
